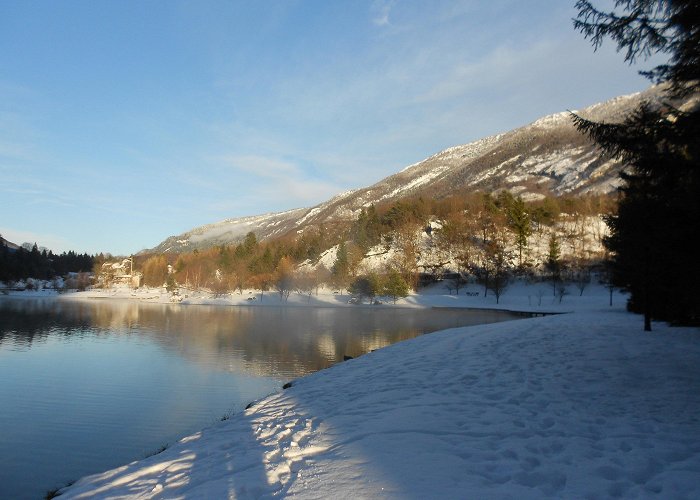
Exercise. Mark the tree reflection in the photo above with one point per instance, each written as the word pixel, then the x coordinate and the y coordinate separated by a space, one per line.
pixel 282 342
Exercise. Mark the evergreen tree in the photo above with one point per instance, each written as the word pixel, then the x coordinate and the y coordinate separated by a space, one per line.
pixel 366 231
pixel 395 286
pixel 497 260
pixel 28 261
pixel 341 267
pixel 519 223
pixel 659 208
pixel 263 264
pixel 248 247
pixel 367 286
pixel 553 264
pixel 4 261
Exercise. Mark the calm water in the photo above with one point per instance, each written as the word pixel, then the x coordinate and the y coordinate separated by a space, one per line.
pixel 90 385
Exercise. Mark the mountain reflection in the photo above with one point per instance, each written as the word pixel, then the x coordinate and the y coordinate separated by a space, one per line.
pixel 262 341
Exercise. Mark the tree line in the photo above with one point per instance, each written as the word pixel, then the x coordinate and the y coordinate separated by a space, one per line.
pixel 652 234
pixel 22 263
pixel 477 236
pixel 652 225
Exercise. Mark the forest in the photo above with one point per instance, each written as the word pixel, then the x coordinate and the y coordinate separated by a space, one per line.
pixel 400 245
pixel 21 263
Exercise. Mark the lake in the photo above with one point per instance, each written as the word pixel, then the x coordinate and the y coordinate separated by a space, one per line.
pixel 88 385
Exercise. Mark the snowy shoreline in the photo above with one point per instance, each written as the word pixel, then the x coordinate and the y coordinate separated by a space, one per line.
pixel 519 298
pixel 580 405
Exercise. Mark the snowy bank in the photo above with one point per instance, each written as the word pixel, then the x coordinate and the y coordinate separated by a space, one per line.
pixel 582 405
pixel 519 296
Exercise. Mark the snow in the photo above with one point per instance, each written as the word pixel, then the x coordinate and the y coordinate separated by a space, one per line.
pixel 232 229
pixel 231 226
pixel 312 212
pixel 417 182
pixel 577 405
pixel 461 152
pixel 553 120
pixel 526 196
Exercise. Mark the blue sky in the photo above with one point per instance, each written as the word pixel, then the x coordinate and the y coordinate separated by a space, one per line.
pixel 124 122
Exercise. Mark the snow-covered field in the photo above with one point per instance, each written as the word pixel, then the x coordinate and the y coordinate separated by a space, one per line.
pixel 579 405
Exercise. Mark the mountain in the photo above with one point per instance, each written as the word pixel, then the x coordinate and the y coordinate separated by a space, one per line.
pixel 548 156
pixel 11 246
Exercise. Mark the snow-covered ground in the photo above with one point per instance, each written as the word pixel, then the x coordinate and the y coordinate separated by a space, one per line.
pixel 579 405
pixel 518 296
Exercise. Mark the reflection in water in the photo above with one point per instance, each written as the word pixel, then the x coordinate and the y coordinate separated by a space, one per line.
pixel 270 341
pixel 89 385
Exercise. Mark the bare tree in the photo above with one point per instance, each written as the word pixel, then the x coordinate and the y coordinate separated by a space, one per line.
pixel 284 278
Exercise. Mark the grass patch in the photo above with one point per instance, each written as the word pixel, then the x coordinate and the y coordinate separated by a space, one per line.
pixel 55 492
pixel 52 493
pixel 227 416
pixel 157 451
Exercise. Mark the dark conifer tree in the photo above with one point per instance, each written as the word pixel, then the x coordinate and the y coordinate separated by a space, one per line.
pixel 658 212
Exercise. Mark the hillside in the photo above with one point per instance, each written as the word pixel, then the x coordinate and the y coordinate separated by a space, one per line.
pixel 548 156
pixel 8 244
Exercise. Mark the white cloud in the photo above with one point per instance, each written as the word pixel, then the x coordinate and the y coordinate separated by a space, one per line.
pixel 260 183
pixel 283 179
pixel 380 10
pixel 299 192
pixel 433 79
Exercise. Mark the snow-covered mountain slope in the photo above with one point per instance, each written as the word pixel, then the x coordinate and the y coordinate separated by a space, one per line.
pixel 232 230
pixel 548 156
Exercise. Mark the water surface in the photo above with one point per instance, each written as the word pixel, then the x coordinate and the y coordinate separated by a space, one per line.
pixel 90 385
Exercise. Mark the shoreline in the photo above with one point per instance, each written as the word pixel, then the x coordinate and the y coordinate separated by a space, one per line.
pixel 498 410
pixel 219 302
pixel 520 298
pixel 582 404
